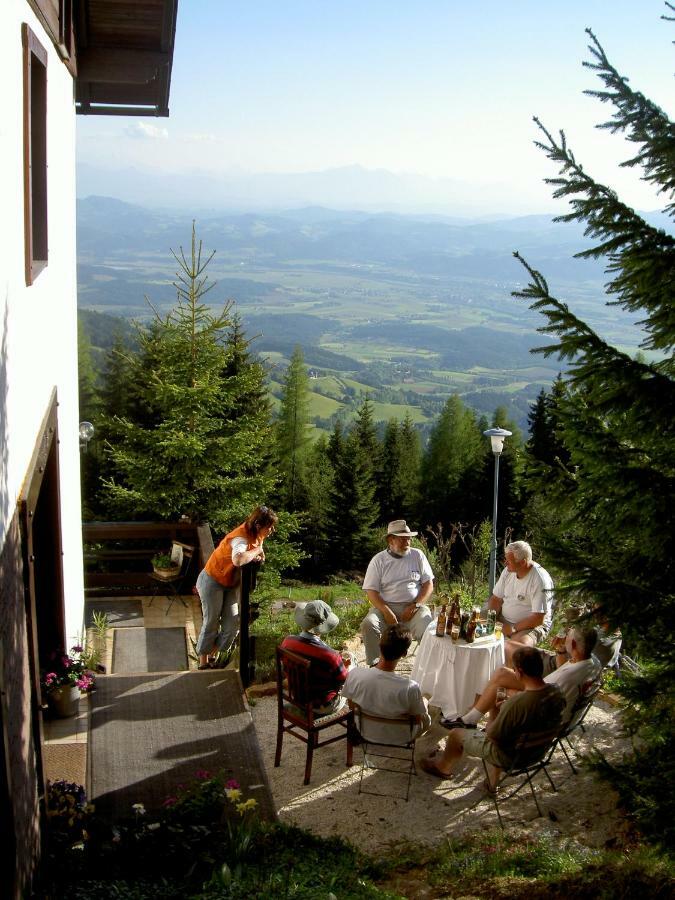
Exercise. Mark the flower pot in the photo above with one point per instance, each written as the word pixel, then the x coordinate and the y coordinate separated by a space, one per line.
pixel 64 701
pixel 170 572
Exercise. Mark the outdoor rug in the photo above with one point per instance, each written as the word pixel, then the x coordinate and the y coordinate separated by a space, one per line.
pixel 151 733
pixel 121 611
pixel 149 650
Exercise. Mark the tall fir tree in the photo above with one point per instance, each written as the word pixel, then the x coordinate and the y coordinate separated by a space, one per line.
pixel 352 512
pixel 398 484
pixel 364 434
pixel 177 450
pixel 293 431
pixel 453 458
pixel 612 523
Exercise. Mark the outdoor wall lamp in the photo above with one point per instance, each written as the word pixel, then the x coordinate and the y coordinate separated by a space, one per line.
pixel 86 434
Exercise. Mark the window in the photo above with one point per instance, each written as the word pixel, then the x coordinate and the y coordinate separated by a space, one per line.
pixel 34 153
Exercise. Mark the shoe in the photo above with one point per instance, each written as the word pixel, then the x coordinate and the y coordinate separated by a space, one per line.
pixel 431 768
pixel 206 665
pixel 456 723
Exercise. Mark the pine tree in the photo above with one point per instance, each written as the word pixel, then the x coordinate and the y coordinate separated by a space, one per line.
pixel 293 431
pixel 613 524
pixel 177 450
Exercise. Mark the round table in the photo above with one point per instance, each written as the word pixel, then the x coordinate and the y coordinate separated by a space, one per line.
pixel 452 673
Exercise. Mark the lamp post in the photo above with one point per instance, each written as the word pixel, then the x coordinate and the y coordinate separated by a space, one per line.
pixel 497 436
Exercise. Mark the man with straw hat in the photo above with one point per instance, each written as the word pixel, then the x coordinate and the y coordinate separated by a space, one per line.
pixel 398 583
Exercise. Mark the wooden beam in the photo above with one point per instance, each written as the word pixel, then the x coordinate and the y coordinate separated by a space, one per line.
pixel 117 66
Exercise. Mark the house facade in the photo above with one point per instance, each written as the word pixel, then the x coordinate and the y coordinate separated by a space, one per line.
pixel 57 58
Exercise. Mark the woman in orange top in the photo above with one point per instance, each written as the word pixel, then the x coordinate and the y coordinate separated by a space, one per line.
pixel 218 582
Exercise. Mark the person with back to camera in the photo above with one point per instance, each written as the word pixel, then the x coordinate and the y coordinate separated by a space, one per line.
pixel 329 667
pixel 398 583
pixel 218 583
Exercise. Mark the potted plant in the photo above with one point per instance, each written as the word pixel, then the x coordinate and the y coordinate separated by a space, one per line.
pixel 63 680
pixel 164 566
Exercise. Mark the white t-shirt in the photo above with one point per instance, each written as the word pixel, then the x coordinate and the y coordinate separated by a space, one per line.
pixel 570 677
pixel 398 579
pixel 523 596
pixel 386 694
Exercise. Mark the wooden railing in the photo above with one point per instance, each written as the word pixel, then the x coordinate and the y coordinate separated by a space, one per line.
pixel 123 551
pixel 117 555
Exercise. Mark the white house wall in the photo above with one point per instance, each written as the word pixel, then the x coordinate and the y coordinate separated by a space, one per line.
pixel 38 324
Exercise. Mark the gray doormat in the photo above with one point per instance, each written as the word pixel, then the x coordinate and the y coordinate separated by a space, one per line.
pixel 149 650
pixel 151 733
pixel 121 611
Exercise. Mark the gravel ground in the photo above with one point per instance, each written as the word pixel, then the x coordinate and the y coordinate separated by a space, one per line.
pixel 583 808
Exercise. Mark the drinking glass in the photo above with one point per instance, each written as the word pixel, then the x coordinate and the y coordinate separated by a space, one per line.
pixel 498 630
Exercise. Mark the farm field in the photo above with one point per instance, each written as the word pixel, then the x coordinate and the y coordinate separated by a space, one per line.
pixel 400 309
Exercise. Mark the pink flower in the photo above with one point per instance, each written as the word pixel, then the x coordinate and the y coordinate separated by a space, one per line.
pixel 202 774
pixel 232 784
pixel 170 801
pixel 66 662
pixel 76 649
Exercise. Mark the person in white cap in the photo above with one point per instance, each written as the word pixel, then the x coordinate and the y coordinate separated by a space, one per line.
pixel 398 583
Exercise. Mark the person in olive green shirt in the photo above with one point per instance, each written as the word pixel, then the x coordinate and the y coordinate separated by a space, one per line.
pixel 537 707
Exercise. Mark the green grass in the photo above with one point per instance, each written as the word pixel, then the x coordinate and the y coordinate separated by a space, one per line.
pixel 322 406
pixel 509 865
pixel 382 412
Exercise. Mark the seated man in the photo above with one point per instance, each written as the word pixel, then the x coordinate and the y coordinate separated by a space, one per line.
pixel 536 707
pixel 569 672
pixel 328 671
pixel 380 692
pixel 522 598
pixel 398 583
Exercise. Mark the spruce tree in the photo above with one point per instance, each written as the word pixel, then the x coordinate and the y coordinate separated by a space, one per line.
pixel 179 449
pixel 612 523
pixel 398 484
pixel 352 511
pixel 453 458
pixel 293 431
pixel 364 434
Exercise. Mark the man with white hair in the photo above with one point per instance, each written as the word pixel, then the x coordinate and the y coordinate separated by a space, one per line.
pixel 398 583
pixel 522 598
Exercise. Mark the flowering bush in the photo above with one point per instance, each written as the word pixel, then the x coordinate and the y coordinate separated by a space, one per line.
pixel 67 813
pixel 67 670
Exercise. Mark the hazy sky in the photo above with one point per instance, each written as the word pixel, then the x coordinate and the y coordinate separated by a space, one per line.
pixel 439 88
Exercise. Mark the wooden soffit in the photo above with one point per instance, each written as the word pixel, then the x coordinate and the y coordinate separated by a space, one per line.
pixel 124 56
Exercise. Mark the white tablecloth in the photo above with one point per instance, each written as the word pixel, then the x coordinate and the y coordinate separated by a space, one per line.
pixel 453 673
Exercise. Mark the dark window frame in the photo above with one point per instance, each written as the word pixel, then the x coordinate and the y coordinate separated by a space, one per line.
pixel 34 154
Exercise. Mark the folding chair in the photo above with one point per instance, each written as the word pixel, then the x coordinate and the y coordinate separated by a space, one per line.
pixel 408 726
pixel 294 707
pixel 175 584
pixel 533 751
pixel 586 698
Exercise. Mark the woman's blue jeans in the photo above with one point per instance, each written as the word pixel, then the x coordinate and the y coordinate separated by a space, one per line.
pixel 220 614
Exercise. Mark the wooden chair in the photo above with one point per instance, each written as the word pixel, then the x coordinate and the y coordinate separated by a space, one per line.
pixel 533 751
pixel 373 749
pixel 581 708
pixel 294 707
pixel 175 584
